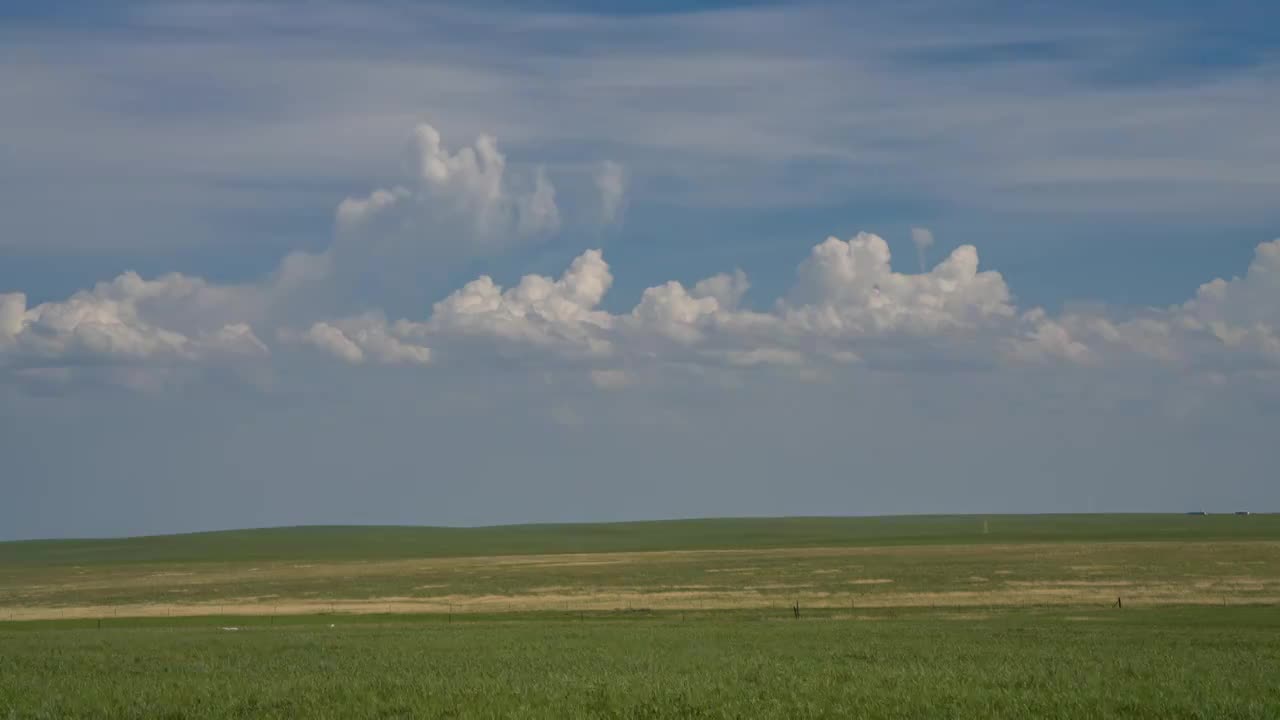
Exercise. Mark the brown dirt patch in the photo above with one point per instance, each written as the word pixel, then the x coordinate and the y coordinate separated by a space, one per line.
pixel 622 600
pixel 1068 583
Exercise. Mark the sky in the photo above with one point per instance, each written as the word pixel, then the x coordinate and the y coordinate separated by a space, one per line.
pixel 279 263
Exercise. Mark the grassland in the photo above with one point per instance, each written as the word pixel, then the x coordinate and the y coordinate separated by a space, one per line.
pixel 899 617
pixel 728 564
pixel 1207 662
pixel 365 543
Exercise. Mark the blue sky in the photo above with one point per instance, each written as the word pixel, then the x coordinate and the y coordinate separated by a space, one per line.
pixel 1105 160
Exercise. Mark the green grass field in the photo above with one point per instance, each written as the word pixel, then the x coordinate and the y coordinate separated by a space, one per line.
pixel 321 544
pixel 1211 663
pixel 965 617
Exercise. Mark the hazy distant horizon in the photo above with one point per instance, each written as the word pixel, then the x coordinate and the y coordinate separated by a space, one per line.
pixel 305 526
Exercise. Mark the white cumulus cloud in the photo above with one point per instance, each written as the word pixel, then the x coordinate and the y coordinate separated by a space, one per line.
pixel 848 305
pixel 1228 323
pixel 459 201
pixel 174 317
pixel 847 289
pixel 355 339
pixel 558 314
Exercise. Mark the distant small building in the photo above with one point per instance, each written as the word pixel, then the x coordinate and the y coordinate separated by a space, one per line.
pixel 1242 512
pixel 1197 512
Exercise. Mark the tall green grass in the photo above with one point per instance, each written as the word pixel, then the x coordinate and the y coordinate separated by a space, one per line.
pixel 1172 663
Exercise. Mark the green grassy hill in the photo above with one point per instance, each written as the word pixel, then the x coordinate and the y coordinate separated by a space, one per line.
pixel 340 543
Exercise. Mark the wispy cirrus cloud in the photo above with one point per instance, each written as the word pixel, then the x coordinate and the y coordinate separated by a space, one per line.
pixel 730 108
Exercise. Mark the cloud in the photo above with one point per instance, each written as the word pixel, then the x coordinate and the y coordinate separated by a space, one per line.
pixel 125 320
pixel 848 305
pixel 673 312
pixel 611 182
pixel 561 314
pixel 397 246
pixel 1103 337
pixel 1228 325
pixel 922 238
pixel 726 288
pixel 459 203
pixel 610 379
pixel 233 339
pixel 13 312
pixel 332 340
pixel 733 108
pixel 465 198
pixel 1049 340
pixel 354 339
pixel 1243 313
pixel 1250 303
pixel 764 356
pixel 849 289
